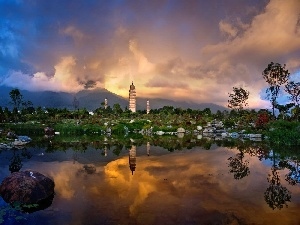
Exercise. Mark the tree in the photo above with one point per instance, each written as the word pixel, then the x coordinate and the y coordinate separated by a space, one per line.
pixel 206 112
pixel 2 116
pixel 7 114
pixel 75 103
pixel 238 99
pixel 167 110
pixel 27 104
pixel 293 89
pixel 275 75
pixel 117 108
pixel 15 113
pixel 262 120
pixel 83 113
pixel 283 109
pixel 218 115
pixel 16 98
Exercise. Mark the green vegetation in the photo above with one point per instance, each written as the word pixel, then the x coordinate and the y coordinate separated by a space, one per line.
pixel 284 133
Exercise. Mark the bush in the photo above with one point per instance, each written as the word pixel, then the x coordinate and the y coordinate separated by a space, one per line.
pixel 229 123
pixel 284 133
pixel 262 121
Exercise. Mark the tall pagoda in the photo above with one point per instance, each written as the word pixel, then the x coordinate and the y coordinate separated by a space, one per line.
pixel 132 98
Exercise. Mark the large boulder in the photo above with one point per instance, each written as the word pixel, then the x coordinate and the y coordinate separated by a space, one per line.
pixel 26 187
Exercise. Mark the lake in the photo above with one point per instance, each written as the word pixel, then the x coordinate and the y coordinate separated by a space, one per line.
pixel 144 183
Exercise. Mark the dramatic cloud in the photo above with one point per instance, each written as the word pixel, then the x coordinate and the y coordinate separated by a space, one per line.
pixel 195 50
pixel 228 29
pixel 62 80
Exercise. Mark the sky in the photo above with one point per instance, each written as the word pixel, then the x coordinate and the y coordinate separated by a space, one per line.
pixel 193 50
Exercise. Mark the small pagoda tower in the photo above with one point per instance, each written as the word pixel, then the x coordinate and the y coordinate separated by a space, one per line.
pixel 105 103
pixel 148 107
pixel 132 98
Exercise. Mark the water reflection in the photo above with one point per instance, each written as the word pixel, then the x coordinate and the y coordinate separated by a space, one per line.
pixel 148 148
pixel 15 164
pixel 293 176
pixel 276 195
pixel 132 158
pixel 179 183
pixel 238 167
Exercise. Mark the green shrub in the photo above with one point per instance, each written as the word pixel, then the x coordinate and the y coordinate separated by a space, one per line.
pixel 283 132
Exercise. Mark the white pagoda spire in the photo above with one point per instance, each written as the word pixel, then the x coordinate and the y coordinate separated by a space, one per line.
pixel 105 103
pixel 148 107
pixel 132 100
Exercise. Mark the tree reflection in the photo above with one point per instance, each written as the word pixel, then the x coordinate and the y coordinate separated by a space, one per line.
pixel 239 168
pixel 15 164
pixel 118 149
pixel 260 152
pixel 26 154
pixel 293 177
pixel 276 195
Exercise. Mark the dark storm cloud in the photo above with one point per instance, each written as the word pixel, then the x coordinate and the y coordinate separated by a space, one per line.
pixel 38 30
pixel 38 33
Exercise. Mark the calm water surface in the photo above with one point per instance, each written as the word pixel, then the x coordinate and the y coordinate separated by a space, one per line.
pixel 150 185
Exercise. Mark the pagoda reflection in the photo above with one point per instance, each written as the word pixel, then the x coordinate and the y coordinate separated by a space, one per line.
pixel 132 158
pixel 148 148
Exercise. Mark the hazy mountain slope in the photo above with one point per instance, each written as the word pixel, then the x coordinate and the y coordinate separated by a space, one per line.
pixel 4 96
pixel 159 103
pixel 92 99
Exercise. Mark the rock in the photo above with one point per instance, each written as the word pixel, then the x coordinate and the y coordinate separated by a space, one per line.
pixel 180 135
pixel 208 130
pixel 26 187
pixel 160 132
pixel 11 135
pixel 4 146
pixel 17 143
pixel 180 130
pixel 24 139
pixel 49 131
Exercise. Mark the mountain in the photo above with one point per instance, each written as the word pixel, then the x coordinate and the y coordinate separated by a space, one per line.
pixel 159 103
pixel 92 99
